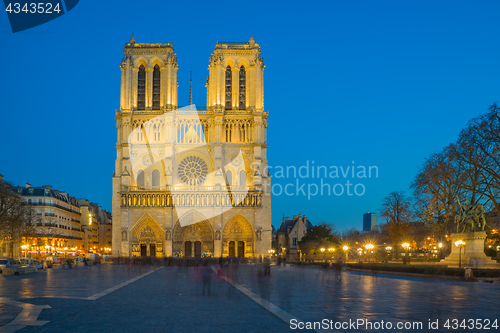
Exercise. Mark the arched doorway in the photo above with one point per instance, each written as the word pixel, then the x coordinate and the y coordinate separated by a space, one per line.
pixel 146 237
pixel 187 249
pixel 238 238
pixel 194 238
pixel 197 249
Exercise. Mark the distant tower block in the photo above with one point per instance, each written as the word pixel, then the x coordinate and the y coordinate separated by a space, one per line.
pixel 369 222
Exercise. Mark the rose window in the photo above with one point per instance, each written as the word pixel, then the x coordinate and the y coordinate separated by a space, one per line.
pixel 192 171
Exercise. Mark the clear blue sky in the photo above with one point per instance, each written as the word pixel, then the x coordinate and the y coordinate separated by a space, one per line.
pixel 381 83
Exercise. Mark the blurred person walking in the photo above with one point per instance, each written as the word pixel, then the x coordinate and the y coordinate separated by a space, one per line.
pixel 267 266
pixel 206 277
pixel 338 270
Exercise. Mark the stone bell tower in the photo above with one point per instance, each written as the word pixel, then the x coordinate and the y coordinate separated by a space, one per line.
pixel 189 181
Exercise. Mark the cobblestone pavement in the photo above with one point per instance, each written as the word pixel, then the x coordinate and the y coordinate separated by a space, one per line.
pixel 314 294
pixel 8 313
pixel 170 299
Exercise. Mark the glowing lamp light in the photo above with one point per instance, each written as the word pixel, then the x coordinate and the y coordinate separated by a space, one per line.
pixel 388 248
pixel 369 246
pixel 322 249
pixel 331 249
pixel 440 245
pixel 405 245
pixel 345 248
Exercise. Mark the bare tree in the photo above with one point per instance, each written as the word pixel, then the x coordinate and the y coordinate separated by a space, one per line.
pixel 396 209
pixel 14 217
pixel 437 184
pixel 478 147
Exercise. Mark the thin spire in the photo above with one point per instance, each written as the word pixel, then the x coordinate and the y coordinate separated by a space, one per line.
pixel 191 87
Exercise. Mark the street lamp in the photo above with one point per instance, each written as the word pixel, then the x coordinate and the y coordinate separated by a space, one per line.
pixel 369 247
pixel 407 247
pixel 345 248
pixel 440 245
pixel 25 248
pixel 459 243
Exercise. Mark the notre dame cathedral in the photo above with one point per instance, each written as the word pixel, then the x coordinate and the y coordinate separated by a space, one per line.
pixel 191 182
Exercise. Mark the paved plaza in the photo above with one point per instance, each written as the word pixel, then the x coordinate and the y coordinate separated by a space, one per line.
pixel 121 298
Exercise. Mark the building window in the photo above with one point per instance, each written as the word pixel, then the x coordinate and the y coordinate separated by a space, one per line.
pixel 295 242
pixel 242 88
pixel 156 178
pixel 156 88
pixel 141 88
pixel 243 178
pixel 140 178
pixel 229 81
pixel 229 178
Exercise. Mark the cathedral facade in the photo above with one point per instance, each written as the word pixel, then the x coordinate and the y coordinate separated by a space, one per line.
pixel 190 182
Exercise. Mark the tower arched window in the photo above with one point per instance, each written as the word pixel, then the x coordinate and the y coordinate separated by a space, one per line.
pixel 229 84
pixel 156 87
pixel 243 83
pixel 156 177
pixel 243 178
pixel 141 88
pixel 229 178
pixel 140 178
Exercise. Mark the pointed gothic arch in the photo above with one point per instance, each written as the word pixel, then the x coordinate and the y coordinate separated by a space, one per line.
pixel 146 234
pixel 238 237
pixel 192 227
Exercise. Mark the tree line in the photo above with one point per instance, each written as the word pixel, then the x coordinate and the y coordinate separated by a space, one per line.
pixel 16 220
pixel 467 170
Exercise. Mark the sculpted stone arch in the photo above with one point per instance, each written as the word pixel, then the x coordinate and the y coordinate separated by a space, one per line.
pixel 238 236
pixel 156 60
pixel 191 228
pixel 230 61
pixel 244 63
pixel 141 60
pixel 147 234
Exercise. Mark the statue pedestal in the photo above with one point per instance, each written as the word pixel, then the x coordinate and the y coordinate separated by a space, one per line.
pixel 472 252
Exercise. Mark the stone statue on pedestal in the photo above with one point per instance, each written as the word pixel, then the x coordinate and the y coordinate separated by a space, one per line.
pixel 471 217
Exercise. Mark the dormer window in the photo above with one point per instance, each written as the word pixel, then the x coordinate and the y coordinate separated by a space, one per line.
pixel 229 83
pixel 141 88
pixel 242 88
pixel 156 87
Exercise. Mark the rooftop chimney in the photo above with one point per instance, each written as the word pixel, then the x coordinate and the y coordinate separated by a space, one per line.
pixel 295 217
pixel 27 185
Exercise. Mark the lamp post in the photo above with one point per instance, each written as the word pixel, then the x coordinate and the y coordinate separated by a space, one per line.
pixel 459 243
pixel 345 248
pixel 25 248
pixel 406 247
pixel 369 247
pixel 322 252
pixel 388 249
pixel 440 245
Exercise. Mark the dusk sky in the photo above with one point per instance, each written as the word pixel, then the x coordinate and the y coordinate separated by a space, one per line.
pixel 380 83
